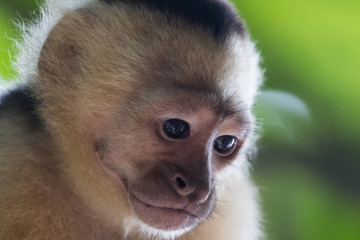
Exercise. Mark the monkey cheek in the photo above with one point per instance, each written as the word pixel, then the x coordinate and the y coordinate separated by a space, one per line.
pixel 107 167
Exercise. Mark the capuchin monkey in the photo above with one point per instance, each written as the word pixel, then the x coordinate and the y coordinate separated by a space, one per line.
pixel 132 122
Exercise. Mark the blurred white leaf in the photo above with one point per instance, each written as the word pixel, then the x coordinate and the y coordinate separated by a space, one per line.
pixel 282 113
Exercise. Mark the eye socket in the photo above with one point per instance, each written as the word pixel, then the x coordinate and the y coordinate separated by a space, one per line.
pixel 176 128
pixel 225 145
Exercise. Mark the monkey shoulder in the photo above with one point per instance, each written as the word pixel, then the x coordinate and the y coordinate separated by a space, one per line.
pixel 28 172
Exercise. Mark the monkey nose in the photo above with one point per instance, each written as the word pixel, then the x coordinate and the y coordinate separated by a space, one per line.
pixel 181 185
pixel 185 188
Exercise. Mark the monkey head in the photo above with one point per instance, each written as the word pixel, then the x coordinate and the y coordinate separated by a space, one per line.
pixel 148 109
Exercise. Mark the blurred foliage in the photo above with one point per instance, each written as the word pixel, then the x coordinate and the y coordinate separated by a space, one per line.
pixel 309 162
pixel 10 12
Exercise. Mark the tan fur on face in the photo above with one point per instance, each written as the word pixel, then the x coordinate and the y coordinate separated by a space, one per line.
pixel 101 64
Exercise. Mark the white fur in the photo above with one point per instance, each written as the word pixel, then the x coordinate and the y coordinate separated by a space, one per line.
pixel 243 75
pixel 134 225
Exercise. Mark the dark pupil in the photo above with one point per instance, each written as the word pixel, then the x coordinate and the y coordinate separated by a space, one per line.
pixel 224 143
pixel 176 128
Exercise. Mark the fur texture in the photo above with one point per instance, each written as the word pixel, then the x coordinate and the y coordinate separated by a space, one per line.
pixel 84 64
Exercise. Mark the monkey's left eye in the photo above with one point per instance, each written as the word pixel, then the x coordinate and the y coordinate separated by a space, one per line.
pixel 225 145
pixel 176 128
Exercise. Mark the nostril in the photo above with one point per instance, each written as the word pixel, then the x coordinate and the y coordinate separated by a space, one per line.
pixel 180 182
pixel 181 185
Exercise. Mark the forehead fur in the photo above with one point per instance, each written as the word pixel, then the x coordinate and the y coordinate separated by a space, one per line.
pixel 179 55
pixel 123 45
pixel 145 50
pixel 214 16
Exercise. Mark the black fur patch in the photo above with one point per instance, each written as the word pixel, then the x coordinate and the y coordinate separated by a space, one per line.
pixel 212 15
pixel 21 102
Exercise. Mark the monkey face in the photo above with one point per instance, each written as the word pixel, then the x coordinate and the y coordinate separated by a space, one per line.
pixel 167 159
pixel 147 103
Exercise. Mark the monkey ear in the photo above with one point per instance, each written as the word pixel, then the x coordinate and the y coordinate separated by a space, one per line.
pixel 62 54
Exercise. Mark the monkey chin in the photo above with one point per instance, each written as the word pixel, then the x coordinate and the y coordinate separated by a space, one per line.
pixel 167 222
pixel 161 217
pixel 134 225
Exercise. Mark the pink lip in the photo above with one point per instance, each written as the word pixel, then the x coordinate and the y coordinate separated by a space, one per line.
pixel 162 217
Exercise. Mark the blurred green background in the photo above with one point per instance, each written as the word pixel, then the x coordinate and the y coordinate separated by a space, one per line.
pixel 308 167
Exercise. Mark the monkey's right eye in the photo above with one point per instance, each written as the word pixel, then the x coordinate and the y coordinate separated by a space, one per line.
pixel 176 128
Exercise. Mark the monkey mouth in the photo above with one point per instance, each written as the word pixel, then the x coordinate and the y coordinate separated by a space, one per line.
pixel 163 218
